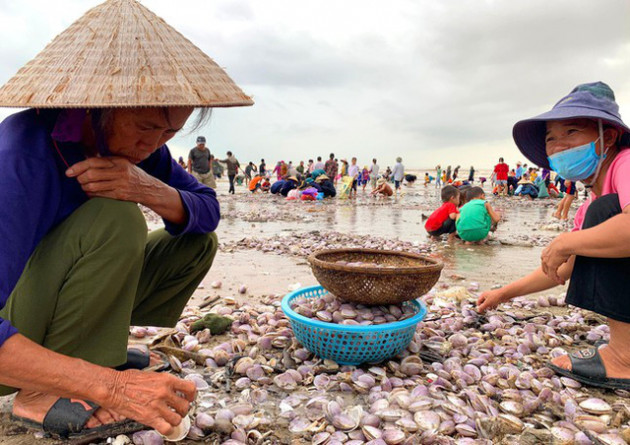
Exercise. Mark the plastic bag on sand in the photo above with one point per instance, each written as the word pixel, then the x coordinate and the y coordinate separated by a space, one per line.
pixel 344 188
pixel 294 194
pixel 312 191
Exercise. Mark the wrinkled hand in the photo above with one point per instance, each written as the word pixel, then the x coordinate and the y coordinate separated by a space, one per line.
pixel 111 177
pixel 153 399
pixel 490 300
pixel 553 257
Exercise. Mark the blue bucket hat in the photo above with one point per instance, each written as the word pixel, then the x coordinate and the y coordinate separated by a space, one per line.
pixel 589 100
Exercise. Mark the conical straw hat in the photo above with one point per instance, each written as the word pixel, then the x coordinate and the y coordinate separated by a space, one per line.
pixel 120 54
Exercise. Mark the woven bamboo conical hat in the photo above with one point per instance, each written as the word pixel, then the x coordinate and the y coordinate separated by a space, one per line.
pixel 120 54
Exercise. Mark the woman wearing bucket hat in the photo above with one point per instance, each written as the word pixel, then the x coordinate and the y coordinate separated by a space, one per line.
pixel 77 264
pixel 584 139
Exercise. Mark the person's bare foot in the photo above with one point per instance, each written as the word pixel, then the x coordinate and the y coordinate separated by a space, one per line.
pixel 34 406
pixel 617 366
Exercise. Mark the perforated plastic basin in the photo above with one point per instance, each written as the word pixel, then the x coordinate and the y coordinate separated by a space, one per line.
pixel 350 344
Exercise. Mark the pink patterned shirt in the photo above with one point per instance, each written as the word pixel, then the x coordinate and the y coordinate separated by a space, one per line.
pixel 617 181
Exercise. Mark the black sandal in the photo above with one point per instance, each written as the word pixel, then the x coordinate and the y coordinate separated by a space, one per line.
pixel 67 419
pixel 588 368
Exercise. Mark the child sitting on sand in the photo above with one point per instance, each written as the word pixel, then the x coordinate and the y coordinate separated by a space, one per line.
pixel 476 217
pixel 442 220
pixel 266 185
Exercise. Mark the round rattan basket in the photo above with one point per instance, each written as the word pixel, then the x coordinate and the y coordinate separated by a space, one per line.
pixel 409 276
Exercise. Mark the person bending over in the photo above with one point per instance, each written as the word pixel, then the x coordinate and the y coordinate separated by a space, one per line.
pixel 476 217
pixel 442 220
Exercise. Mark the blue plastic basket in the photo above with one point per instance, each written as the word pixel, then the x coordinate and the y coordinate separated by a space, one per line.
pixel 350 344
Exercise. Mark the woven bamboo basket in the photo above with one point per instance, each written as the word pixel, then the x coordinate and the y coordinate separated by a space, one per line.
pixel 411 277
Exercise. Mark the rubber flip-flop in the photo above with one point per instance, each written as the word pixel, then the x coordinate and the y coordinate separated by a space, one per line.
pixel 67 418
pixel 139 357
pixel 588 368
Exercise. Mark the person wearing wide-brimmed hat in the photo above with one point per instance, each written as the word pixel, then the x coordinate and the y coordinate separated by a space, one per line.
pixel 326 186
pixel 77 263
pixel 584 139
pixel 382 188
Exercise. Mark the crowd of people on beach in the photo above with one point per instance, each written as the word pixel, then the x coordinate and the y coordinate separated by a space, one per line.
pixel 464 213
pixel 313 181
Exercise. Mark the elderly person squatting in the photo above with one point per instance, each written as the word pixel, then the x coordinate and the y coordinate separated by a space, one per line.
pixel 584 139
pixel 78 266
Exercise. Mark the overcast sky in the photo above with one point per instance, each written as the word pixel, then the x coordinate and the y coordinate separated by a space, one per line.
pixel 431 81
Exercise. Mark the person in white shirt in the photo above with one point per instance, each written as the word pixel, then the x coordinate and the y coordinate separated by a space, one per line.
pixel 319 165
pixel 292 171
pixel 374 169
pixel 398 173
pixel 353 171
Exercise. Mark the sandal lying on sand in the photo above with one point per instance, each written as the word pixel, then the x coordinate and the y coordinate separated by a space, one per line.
pixel 67 419
pixel 588 368
pixel 139 357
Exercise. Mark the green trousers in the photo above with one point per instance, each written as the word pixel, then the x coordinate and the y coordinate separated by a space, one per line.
pixel 99 272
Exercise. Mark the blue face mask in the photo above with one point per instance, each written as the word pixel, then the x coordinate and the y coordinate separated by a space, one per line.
pixel 577 163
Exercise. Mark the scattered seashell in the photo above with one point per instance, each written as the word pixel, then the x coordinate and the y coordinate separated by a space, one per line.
pixel 596 406
pixel 180 431
pixel 150 437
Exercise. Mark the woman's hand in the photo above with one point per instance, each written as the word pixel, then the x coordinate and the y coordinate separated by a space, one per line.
pixel 491 299
pixel 554 256
pixel 113 177
pixel 118 178
pixel 153 399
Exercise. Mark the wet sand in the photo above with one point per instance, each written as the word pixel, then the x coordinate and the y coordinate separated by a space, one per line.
pixel 513 251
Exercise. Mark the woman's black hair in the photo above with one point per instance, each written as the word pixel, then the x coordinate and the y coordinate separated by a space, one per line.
pixel 203 117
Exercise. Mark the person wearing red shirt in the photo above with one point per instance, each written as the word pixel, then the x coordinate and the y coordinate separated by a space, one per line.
pixel 442 220
pixel 501 173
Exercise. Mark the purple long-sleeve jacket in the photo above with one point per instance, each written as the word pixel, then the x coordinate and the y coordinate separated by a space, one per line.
pixel 36 195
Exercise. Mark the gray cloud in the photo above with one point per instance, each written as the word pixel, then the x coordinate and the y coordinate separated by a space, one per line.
pixel 427 80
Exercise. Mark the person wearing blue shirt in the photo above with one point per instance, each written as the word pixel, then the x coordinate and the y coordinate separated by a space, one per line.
pixel 519 171
pixel 78 265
